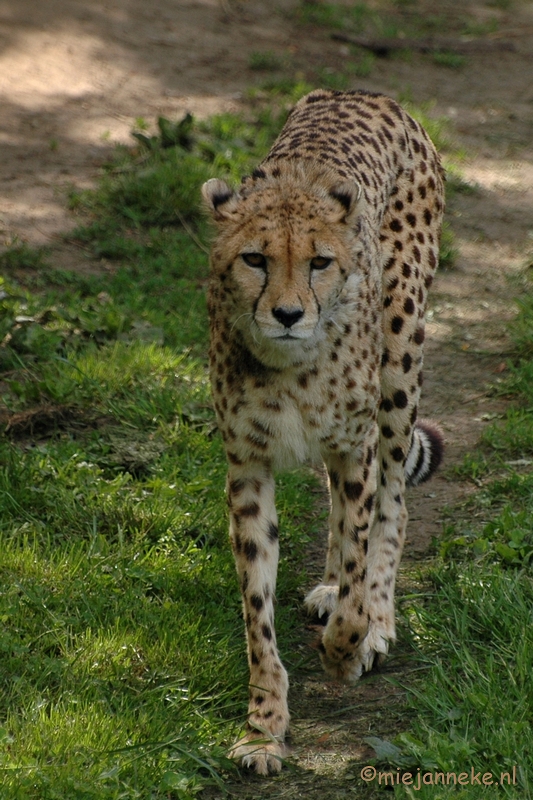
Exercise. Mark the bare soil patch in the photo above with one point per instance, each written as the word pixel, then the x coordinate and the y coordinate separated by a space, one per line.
pixel 74 76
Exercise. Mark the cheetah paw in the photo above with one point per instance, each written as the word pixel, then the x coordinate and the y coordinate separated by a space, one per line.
pixel 346 671
pixel 322 600
pixel 349 666
pixel 374 649
pixel 259 751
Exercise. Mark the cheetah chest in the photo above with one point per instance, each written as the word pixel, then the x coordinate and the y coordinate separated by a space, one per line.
pixel 306 411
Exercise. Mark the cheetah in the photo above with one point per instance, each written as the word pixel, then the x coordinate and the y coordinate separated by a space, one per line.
pixel 320 269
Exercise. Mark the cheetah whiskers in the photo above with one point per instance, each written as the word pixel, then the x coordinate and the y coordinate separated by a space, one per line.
pixel 242 316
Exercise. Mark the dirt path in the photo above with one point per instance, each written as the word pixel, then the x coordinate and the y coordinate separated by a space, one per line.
pixel 75 76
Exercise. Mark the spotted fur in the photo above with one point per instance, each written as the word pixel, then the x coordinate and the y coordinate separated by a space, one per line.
pixel 320 271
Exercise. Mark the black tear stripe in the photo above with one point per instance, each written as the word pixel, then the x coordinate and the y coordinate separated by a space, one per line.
pixel 261 293
pixel 318 307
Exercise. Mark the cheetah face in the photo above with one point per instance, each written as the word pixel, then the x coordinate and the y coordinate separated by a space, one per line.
pixel 283 254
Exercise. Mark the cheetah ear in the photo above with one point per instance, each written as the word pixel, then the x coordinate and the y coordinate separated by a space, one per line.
pixel 219 198
pixel 347 193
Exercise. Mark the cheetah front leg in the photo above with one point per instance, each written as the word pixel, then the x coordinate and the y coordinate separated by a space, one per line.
pixel 322 600
pixel 353 490
pixel 254 539
pixel 384 554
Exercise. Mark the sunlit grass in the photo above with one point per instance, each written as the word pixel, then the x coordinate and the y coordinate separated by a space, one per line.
pixel 474 709
pixel 123 658
pixel 122 647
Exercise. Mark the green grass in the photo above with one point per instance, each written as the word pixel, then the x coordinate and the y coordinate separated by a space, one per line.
pixel 145 222
pixel 123 658
pixel 471 627
pixel 448 250
pixel 123 668
pixel 330 15
pixel 452 60
pixel 21 256
pixel 474 708
pixel 265 60
pixel 392 19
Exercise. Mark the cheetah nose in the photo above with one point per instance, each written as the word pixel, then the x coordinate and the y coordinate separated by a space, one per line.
pixel 287 316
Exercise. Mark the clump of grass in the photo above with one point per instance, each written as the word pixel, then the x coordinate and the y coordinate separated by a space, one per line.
pixel 475 27
pixel 514 434
pixel 324 15
pixel 522 333
pixel 353 17
pixel 164 188
pixel 286 89
pixel 265 61
pixel 448 252
pixel 455 181
pixel 451 60
pixel 330 78
pixel 20 255
pixel 437 127
pixel 362 64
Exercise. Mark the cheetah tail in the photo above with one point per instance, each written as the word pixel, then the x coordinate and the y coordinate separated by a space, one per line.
pixel 425 453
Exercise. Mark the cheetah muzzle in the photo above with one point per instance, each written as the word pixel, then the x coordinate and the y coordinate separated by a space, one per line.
pixel 320 270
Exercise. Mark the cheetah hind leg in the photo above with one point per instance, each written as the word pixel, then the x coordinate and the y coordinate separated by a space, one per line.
pixel 322 601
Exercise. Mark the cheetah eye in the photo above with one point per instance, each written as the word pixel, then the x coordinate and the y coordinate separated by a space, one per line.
pixel 256 260
pixel 320 262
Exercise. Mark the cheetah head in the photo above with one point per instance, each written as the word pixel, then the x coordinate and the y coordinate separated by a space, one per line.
pixel 286 249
